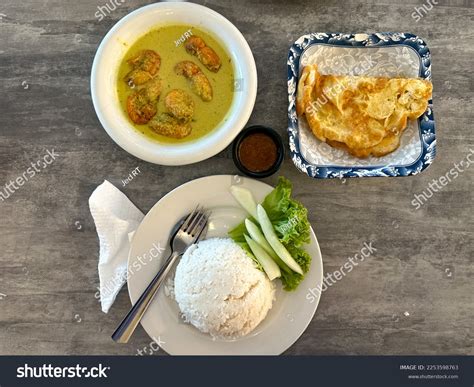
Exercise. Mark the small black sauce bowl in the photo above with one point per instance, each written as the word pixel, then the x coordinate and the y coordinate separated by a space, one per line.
pixel 276 139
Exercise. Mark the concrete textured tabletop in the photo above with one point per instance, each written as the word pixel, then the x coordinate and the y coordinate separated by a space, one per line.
pixel 413 295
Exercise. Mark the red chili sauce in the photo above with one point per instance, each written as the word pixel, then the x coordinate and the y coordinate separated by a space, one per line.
pixel 258 152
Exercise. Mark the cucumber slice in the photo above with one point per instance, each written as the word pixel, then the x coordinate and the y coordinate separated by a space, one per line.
pixel 271 268
pixel 245 198
pixel 274 242
pixel 257 236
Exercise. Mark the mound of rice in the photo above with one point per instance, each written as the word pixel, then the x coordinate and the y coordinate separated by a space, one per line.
pixel 220 291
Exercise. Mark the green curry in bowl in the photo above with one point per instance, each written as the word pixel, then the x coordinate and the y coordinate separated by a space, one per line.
pixel 176 84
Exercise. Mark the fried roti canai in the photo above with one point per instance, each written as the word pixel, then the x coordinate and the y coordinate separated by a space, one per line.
pixel 365 116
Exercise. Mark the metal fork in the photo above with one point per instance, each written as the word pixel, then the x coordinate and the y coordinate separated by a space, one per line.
pixel 188 233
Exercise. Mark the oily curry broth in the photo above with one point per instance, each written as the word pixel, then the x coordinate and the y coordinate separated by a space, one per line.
pixel 207 115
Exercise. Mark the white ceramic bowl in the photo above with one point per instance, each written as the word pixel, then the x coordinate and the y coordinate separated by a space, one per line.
pixel 105 71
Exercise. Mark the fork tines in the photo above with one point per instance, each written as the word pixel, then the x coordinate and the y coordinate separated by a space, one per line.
pixel 196 221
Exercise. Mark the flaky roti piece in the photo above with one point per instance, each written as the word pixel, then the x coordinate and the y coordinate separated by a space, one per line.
pixel 359 113
pixel 390 143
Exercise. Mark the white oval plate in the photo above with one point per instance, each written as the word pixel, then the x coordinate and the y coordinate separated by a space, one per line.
pixel 291 312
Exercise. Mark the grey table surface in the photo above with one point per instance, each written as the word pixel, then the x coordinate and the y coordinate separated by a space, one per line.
pixel 414 295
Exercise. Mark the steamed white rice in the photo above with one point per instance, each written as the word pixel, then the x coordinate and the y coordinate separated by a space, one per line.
pixel 220 291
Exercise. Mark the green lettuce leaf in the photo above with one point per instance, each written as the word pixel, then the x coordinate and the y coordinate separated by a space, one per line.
pixel 289 217
pixel 290 220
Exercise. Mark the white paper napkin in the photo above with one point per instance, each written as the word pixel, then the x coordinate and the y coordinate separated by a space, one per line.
pixel 116 219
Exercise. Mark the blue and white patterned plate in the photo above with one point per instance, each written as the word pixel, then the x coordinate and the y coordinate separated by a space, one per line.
pixel 380 54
